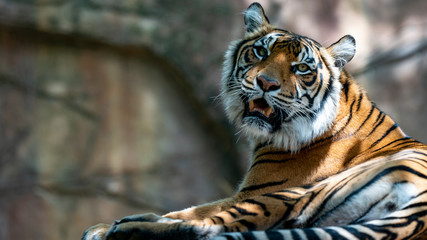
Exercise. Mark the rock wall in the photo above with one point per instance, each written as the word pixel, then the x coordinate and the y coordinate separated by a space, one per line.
pixel 93 132
pixel 107 107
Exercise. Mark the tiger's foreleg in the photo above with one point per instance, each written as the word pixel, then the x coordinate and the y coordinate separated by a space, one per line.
pixel 193 213
pixel 202 211
pixel 99 231
pixel 246 215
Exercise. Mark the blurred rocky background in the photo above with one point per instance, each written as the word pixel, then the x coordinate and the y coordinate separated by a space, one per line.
pixel 107 108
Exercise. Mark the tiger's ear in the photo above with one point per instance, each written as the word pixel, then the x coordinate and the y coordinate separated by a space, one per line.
pixel 343 50
pixel 255 18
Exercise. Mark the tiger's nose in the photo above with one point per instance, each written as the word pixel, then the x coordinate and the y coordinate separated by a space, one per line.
pixel 267 84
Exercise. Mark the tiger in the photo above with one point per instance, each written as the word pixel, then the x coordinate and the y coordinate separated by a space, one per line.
pixel 326 162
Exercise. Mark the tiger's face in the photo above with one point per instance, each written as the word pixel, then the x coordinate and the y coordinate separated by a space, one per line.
pixel 281 87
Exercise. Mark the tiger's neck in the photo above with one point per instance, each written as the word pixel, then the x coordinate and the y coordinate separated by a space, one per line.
pixel 360 132
pixel 359 123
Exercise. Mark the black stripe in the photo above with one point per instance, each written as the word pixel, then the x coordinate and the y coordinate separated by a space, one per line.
pixel 380 115
pixel 243 211
pixel 231 213
pixel 264 185
pixel 246 56
pixel 327 93
pixel 250 226
pixel 319 86
pixel 219 218
pixel 279 197
pixel 235 58
pixel 320 65
pixel 422 193
pixel 357 234
pixel 274 235
pixel 397 140
pixel 310 83
pixel 247 82
pixel 406 144
pixel 381 229
pixel 421 153
pixel 385 135
pixel 415 205
pixel 269 161
pixel 281 222
pixel 295 235
pixel 261 145
pixel 342 183
pixel 311 234
pixel 346 89
pixel 359 101
pixel 306 186
pixel 260 204
pixel 249 236
pixel 213 221
pixel 228 237
pixel 334 234
pixel 366 119
pixel 409 220
pixel 273 153
pixel 419 159
pixel 350 116
pixel 378 123
pixel 313 195
pixel 289 97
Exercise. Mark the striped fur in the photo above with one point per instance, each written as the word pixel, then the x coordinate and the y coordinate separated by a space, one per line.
pixel 326 162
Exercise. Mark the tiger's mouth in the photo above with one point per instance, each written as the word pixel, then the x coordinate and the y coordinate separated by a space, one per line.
pixel 260 106
pixel 259 114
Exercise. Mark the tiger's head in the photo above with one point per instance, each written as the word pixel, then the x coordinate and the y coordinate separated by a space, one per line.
pixel 281 87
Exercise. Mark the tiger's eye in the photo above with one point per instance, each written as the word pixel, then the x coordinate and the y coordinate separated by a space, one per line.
pixel 303 67
pixel 261 52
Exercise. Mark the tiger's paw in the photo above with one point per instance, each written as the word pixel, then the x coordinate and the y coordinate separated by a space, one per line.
pixel 132 231
pixel 97 232
pixel 161 231
pixel 147 217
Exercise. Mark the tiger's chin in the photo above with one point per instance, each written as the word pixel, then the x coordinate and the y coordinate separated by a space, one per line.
pixel 289 135
pixel 279 134
pixel 254 125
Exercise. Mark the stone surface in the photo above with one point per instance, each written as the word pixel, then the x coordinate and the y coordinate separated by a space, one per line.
pixel 92 133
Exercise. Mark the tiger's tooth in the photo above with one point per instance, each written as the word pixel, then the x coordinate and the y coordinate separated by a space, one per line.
pixel 251 106
pixel 268 112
